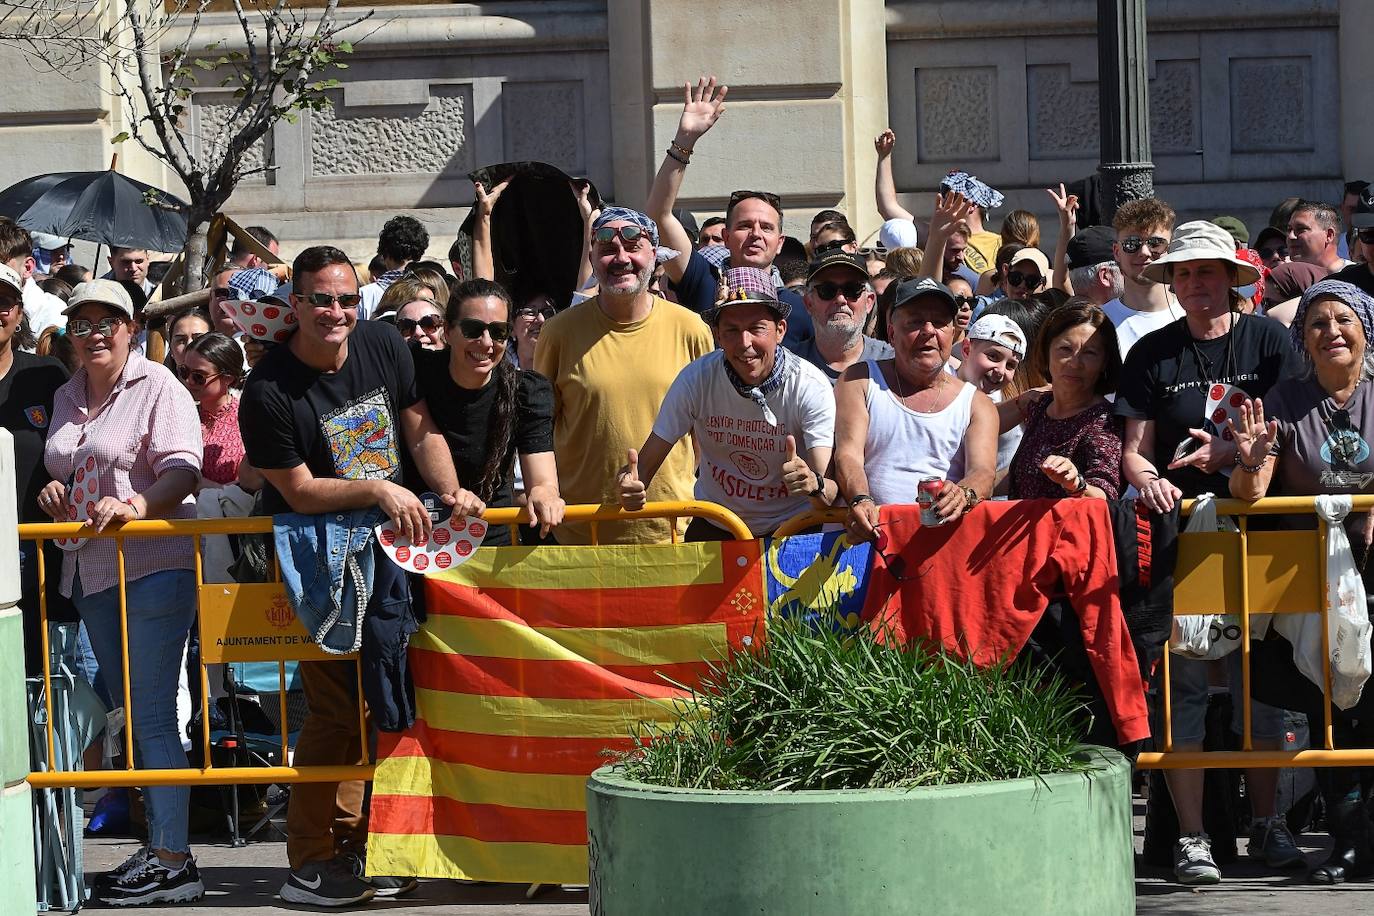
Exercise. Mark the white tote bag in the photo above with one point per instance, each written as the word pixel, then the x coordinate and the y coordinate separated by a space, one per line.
pixel 1209 636
pixel 1347 616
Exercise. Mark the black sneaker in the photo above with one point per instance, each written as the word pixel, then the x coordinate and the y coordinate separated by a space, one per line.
pixel 386 885
pixel 102 881
pixel 329 883
pixel 149 881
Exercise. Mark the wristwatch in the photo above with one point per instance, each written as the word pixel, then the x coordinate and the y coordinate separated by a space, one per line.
pixel 861 498
pixel 820 488
pixel 1082 485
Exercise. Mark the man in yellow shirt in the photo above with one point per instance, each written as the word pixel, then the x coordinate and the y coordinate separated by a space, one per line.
pixel 611 360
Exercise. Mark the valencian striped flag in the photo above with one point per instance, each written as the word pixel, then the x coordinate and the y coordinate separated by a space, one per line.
pixel 532 664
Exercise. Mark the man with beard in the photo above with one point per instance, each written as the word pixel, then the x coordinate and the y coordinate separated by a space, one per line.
pixel 1143 229
pixel 754 410
pixel 611 360
pixel 839 298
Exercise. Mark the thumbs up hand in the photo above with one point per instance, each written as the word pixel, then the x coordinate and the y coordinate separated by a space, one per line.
pixel 799 479
pixel 632 489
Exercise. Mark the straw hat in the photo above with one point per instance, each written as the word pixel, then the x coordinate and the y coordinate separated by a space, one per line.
pixel 1201 240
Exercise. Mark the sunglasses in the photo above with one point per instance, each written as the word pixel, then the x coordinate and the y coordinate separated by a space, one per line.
pixel 197 377
pixel 965 302
pixel 1281 251
pixel 772 200
pixel 225 292
pixel 1133 243
pixel 546 313
pixel 1366 235
pixel 1030 281
pixel 878 253
pixel 852 290
pixel 472 329
pixel 325 300
pixel 430 323
pixel 630 235
pixel 9 304
pixel 80 327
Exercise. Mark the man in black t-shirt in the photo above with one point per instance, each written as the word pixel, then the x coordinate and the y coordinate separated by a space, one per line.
pixel 324 418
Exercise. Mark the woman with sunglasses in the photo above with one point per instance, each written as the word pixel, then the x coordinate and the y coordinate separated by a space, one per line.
pixel 1316 442
pixel 529 321
pixel 124 435
pixel 211 368
pixel 490 411
pixel 421 322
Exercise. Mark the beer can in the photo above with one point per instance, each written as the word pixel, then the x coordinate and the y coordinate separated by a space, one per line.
pixel 927 491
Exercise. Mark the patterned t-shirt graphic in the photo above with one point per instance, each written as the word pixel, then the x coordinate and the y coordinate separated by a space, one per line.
pixel 362 438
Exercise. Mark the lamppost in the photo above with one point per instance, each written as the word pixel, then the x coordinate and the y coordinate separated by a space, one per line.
pixel 1124 104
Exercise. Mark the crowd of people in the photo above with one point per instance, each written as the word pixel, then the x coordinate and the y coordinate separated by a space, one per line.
pixel 735 364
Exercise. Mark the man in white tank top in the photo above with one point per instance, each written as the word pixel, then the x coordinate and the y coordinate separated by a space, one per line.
pixel 907 420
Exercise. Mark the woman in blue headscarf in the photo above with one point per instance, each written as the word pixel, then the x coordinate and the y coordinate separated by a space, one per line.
pixel 1311 435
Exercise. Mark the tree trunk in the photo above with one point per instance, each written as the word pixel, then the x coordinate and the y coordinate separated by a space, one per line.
pixel 193 270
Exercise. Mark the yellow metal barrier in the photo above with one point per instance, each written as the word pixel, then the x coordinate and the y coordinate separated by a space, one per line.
pixel 222 607
pixel 1241 573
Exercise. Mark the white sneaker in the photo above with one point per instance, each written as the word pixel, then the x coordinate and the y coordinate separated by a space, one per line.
pixel 1193 860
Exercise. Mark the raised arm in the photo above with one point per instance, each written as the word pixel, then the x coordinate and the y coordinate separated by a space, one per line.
pixel 950 210
pixel 584 207
pixel 483 259
pixel 884 188
pixel 702 106
pixel 1067 205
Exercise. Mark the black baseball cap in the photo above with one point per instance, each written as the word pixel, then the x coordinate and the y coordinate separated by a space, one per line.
pixel 1363 217
pixel 1090 246
pixel 911 290
pixel 836 257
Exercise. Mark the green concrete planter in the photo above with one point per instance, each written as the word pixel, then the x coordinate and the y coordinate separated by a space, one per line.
pixel 1058 845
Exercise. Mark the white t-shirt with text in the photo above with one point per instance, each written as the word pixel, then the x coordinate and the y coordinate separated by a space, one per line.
pixel 742 454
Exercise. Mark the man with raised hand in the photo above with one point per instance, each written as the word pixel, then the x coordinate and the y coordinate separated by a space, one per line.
pixel 753 219
pixel 747 405
pixel 611 360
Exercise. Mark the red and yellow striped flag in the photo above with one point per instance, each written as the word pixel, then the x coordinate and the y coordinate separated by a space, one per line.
pixel 532 664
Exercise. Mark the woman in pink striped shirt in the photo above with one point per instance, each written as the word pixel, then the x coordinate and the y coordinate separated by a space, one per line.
pixel 125 444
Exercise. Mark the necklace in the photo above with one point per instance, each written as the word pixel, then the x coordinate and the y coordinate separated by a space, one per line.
pixel 1204 365
pixel 937 387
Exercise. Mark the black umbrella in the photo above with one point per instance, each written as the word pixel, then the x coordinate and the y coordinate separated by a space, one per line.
pixel 103 207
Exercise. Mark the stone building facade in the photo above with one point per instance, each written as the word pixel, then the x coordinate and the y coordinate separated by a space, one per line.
pixel 1252 101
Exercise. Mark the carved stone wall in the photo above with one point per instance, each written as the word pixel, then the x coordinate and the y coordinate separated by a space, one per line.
pixel 1244 101
pixel 435 92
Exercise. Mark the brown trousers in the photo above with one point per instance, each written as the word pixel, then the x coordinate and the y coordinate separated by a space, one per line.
pixel 322 817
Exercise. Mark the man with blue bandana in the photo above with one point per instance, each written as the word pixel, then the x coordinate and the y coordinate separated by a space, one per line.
pixel 611 360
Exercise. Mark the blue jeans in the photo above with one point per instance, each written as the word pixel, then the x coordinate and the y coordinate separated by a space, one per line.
pixel 161 608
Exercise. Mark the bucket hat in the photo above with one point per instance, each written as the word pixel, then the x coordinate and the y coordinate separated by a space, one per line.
pixel 1201 240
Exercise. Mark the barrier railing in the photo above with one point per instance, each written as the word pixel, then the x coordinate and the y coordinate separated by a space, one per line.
pixel 219 602
pixel 1242 573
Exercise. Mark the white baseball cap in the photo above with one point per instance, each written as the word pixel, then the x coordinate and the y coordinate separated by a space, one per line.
pixel 10 277
pixel 1001 330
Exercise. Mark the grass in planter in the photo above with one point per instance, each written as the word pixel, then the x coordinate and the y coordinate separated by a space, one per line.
pixel 819 709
